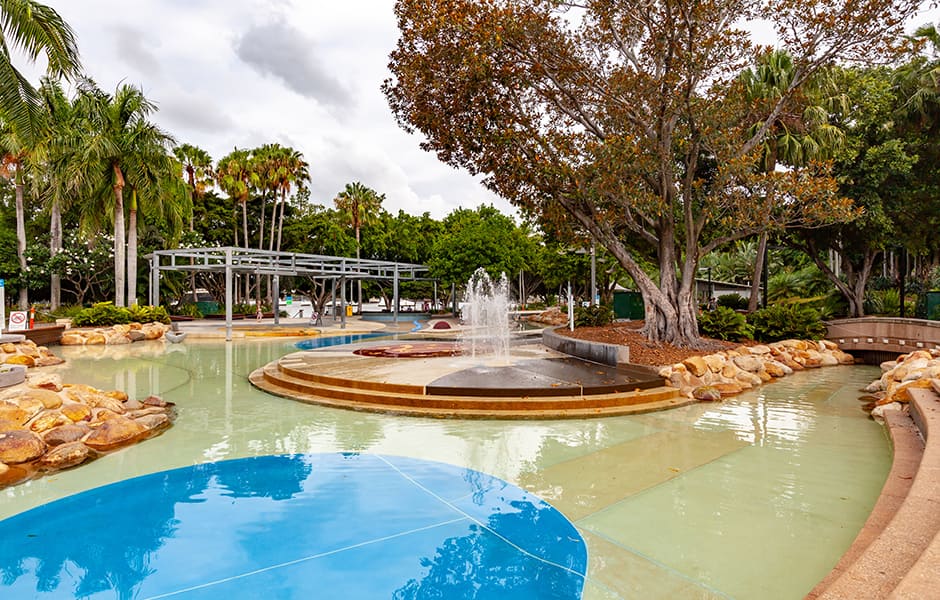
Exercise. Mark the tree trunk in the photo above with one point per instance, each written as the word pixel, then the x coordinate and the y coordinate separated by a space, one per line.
pixel 758 269
pixel 245 242
pixel 273 222
pixel 120 263
pixel 358 281
pixel 280 223
pixel 55 247
pixel 853 286
pixel 21 240
pixel 132 251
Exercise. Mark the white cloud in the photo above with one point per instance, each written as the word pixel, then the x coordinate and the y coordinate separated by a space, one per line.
pixel 247 72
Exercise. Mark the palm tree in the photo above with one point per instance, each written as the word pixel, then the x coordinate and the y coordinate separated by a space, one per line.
pixel 12 165
pixel 236 175
pixel 32 29
pixel 153 183
pixel 55 152
pixel 359 203
pixel 794 139
pixel 297 173
pixel 118 141
pixel 197 170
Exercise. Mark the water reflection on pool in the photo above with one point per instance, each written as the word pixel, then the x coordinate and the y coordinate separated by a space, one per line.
pixel 754 497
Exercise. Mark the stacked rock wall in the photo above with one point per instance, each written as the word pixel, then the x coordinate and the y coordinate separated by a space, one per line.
pixel 27 353
pixel 730 372
pixel 919 369
pixel 46 425
pixel 114 335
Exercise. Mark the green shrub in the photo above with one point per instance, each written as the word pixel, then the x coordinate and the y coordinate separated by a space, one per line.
pixel 104 314
pixel 593 316
pixel 149 314
pixel 724 323
pixel 786 321
pixel 733 301
pixel 187 309
pixel 67 311
pixel 101 314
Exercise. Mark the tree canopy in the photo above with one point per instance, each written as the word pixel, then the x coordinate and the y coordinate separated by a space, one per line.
pixel 629 116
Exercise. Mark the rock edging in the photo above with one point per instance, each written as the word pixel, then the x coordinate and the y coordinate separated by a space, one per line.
pixel 729 372
pixel 28 354
pixel 918 369
pixel 114 335
pixel 47 426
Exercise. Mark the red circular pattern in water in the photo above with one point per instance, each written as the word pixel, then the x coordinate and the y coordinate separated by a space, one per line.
pixel 412 350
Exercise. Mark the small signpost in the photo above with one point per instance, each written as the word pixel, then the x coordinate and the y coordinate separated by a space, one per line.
pixel 18 320
pixel 3 305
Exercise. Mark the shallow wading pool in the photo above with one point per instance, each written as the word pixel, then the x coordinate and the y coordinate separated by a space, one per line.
pixel 754 497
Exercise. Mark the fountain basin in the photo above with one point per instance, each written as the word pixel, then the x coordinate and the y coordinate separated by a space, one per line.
pixel 536 382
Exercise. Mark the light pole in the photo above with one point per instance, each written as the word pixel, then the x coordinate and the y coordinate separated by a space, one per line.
pixel 593 275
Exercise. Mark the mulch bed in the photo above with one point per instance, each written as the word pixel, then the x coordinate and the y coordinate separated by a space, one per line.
pixel 643 351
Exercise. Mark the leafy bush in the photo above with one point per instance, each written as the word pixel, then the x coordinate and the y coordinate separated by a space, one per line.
pixel 187 309
pixel 105 313
pixel 723 323
pixel 149 314
pixel 786 321
pixel 67 311
pixel 593 316
pixel 883 302
pixel 101 314
pixel 733 301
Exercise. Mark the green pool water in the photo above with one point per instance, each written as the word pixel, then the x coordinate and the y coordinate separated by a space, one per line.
pixel 754 497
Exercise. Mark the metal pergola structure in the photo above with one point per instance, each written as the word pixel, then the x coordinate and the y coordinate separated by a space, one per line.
pixel 230 260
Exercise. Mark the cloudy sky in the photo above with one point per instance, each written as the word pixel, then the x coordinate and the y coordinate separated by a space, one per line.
pixel 228 73
pixel 306 74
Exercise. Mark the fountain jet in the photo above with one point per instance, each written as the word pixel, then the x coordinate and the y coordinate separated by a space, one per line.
pixel 486 315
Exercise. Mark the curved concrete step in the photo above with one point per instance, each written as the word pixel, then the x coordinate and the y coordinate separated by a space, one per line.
pixel 275 379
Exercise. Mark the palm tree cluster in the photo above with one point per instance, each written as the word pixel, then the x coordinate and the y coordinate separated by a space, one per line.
pixel 99 153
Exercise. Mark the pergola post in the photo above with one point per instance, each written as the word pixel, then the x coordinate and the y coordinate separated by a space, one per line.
pixel 275 301
pixel 333 300
pixel 395 292
pixel 228 294
pixel 155 280
pixel 342 297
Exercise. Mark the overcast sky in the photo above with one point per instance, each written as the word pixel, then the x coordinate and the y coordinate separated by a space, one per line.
pixel 305 74
pixel 227 73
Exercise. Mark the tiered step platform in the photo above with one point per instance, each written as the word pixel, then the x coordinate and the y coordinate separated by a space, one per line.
pixel 538 384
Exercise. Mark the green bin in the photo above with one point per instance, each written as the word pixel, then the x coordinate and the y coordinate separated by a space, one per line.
pixel 628 305
pixel 933 305
pixel 208 308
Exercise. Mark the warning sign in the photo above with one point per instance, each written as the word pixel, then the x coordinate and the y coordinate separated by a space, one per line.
pixel 17 320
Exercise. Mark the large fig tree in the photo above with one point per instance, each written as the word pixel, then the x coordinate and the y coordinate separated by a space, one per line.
pixel 628 117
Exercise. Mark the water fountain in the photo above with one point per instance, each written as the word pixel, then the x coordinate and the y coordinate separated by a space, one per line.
pixel 486 314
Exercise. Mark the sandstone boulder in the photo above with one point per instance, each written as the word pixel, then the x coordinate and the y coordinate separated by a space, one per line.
pixel 20 359
pixel 114 432
pixel 20 447
pixel 751 364
pixel 696 365
pixel 706 393
pixel 64 434
pixel 154 422
pixel 65 456
pixel 76 411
